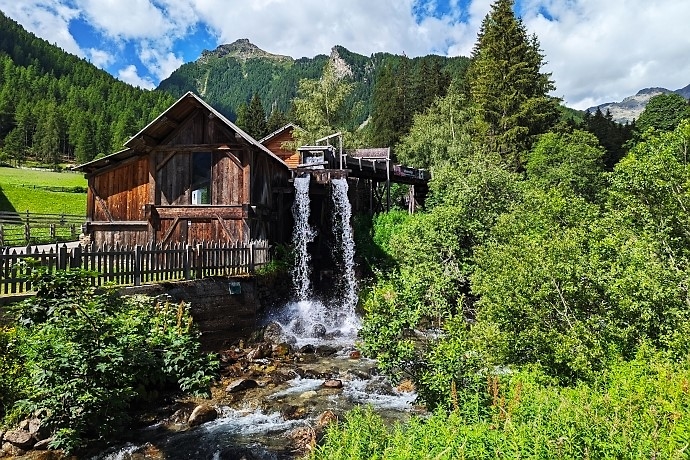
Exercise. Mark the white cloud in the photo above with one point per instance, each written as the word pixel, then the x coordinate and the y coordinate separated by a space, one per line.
pixel 100 58
pixel 158 62
pixel 130 75
pixel 598 51
pixel 47 19
pixel 604 51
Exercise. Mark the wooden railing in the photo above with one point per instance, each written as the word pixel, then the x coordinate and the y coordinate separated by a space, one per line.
pixel 136 265
pixel 20 229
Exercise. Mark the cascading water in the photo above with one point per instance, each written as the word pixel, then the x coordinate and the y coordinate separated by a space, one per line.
pixel 308 318
pixel 342 229
pixel 302 235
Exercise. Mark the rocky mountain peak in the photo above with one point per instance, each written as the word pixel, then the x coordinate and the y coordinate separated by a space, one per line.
pixel 342 68
pixel 631 107
pixel 241 49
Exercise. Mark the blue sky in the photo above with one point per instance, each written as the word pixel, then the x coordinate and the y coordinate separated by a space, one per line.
pixel 597 50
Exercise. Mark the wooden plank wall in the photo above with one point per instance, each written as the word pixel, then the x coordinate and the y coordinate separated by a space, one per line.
pixel 275 145
pixel 123 191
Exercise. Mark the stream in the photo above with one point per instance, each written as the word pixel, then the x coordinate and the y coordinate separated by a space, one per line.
pixel 277 395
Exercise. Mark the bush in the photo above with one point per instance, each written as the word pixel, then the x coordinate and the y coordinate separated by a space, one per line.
pixel 636 409
pixel 90 354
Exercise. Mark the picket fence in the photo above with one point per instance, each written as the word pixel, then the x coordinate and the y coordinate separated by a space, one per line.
pixel 136 265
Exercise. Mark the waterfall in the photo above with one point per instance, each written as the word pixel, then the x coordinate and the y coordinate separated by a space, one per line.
pixel 307 318
pixel 302 235
pixel 342 229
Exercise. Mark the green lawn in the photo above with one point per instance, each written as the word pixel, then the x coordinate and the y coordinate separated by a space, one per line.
pixel 17 192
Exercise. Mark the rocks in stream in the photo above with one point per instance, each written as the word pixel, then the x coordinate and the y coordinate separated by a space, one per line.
pixel 326 350
pixel 273 333
pixel 261 351
pixel 241 385
pixel 332 383
pixel 201 414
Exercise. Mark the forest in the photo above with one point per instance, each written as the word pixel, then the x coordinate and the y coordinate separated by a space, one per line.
pixel 57 108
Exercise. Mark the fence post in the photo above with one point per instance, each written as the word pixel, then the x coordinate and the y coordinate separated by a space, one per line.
pixel 52 232
pixel 251 257
pixel 2 235
pixel 199 262
pixel 27 233
pixel 62 257
pixel 75 259
pixel 188 258
pixel 138 258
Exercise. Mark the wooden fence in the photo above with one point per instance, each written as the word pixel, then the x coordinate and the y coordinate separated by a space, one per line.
pixel 20 229
pixel 134 265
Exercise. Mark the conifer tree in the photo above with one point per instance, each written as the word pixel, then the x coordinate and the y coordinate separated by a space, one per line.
pixel 255 118
pixel 507 87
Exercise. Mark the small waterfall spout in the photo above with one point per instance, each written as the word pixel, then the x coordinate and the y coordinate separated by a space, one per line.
pixel 342 229
pixel 302 235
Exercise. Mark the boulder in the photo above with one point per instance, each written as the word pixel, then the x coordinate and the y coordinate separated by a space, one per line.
pixel 261 351
pixel 10 450
pixel 241 385
pixel 43 444
pixel 332 383
pixel 201 414
pixel 20 438
pixel 308 394
pixel 325 419
pixel 281 350
pixel 273 333
pixel 38 430
pixel 306 349
pixel 318 330
pixel 326 350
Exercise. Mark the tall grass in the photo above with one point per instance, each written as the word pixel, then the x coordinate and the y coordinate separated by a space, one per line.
pixel 637 409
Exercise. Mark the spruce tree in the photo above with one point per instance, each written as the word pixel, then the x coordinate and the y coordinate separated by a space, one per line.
pixel 256 118
pixel 507 87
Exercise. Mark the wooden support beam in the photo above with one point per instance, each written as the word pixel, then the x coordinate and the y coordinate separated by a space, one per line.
pixel 170 230
pixel 201 212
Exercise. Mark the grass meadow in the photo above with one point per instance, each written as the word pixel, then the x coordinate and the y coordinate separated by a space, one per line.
pixel 29 189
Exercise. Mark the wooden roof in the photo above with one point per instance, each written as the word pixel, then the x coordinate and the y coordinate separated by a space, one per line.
pixel 163 126
pixel 279 131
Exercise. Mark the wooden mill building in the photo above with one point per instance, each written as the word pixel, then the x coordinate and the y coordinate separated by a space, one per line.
pixel 191 175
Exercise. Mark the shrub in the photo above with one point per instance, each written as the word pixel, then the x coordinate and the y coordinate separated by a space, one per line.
pixel 90 354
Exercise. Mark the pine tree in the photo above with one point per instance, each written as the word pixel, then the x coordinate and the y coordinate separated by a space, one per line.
pixel 276 120
pixel 507 87
pixel 256 118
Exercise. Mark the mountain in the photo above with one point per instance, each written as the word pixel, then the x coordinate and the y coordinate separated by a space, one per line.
pixel 229 75
pixel 631 107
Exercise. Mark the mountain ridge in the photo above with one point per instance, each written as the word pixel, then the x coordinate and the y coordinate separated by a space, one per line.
pixel 631 107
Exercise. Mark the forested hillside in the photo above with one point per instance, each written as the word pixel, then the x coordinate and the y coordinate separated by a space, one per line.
pixel 56 106
pixel 230 76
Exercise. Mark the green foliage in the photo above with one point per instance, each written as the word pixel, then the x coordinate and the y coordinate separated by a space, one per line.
pixel 571 161
pixel 633 410
pixel 12 372
pixel 89 355
pixel 613 137
pixel 438 135
pixel 507 87
pixel 320 106
pixel 663 112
